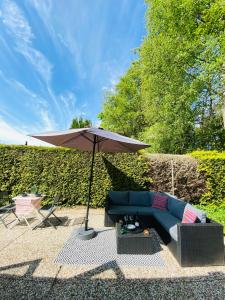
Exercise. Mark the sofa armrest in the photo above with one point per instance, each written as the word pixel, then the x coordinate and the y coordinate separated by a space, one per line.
pixel 200 230
pixel 200 243
pixel 107 203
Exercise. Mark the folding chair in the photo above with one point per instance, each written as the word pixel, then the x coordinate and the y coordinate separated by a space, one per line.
pixel 46 211
pixel 7 206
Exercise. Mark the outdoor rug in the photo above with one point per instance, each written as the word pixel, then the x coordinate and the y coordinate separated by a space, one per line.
pixel 102 250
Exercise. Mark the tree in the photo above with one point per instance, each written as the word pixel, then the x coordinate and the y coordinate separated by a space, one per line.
pixel 79 122
pixel 182 60
pixel 122 110
pixel 173 96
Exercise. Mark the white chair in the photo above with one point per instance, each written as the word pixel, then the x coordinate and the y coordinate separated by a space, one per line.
pixel 7 207
pixel 47 211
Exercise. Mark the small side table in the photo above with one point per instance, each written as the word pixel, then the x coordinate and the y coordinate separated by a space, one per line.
pixel 27 205
pixel 134 243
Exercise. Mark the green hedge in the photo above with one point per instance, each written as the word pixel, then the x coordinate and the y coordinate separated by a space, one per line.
pixel 64 170
pixel 212 164
pixel 188 183
pixel 55 170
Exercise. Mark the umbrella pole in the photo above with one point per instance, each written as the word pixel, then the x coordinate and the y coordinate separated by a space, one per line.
pixel 90 183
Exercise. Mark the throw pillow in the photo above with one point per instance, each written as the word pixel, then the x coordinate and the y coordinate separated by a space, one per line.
pixel 201 215
pixel 159 201
pixel 189 217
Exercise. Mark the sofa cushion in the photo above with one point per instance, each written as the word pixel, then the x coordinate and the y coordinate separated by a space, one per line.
pixel 140 198
pixel 200 214
pixel 146 211
pixel 176 207
pixel 122 210
pixel 167 221
pixel 160 201
pixel 189 216
pixel 119 198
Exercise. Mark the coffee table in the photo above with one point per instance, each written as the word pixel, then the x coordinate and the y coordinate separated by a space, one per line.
pixel 135 243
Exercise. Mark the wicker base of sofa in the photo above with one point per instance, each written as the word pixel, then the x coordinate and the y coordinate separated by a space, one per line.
pixel 197 249
pixel 194 247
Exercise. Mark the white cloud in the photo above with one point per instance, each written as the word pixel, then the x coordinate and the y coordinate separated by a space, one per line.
pixel 16 23
pixel 68 99
pixel 19 28
pixel 11 135
pixel 38 60
pixel 64 31
pixel 38 105
pixel 48 123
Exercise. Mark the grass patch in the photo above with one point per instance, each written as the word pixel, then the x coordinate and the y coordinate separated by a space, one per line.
pixel 215 213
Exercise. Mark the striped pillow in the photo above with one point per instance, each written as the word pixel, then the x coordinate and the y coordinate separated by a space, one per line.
pixel 189 217
pixel 160 202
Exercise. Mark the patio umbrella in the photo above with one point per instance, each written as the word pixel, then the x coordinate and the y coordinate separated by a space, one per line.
pixel 94 140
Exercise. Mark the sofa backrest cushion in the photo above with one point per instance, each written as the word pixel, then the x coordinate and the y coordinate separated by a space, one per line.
pixel 119 198
pixel 141 198
pixel 176 207
pixel 200 214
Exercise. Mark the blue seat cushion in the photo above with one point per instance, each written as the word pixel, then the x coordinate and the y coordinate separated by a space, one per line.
pixel 176 207
pixel 122 210
pixel 167 221
pixel 146 211
pixel 119 198
pixel 142 198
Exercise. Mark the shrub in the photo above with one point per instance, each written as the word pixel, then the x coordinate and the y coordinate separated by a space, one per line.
pixel 55 170
pixel 189 184
pixel 215 213
pixel 212 165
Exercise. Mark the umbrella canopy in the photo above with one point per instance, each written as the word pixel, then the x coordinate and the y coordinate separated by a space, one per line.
pixel 83 139
pixel 95 140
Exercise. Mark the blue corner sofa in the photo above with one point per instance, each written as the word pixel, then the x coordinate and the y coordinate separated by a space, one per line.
pixel 198 244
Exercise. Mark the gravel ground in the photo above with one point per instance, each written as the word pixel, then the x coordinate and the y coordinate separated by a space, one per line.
pixel 27 270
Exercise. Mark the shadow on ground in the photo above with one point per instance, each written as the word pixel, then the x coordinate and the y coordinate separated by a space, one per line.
pixel 90 285
pixel 65 222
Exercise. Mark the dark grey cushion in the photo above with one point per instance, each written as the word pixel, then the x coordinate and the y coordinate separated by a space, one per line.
pixel 146 211
pixel 200 214
pixel 140 198
pixel 122 210
pixel 119 198
pixel 176 207
pixel 166 220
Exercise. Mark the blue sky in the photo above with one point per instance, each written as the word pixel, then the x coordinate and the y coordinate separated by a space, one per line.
pixel 59 57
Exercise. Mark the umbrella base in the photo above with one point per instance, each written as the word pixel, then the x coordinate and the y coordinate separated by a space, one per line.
pixel 83 234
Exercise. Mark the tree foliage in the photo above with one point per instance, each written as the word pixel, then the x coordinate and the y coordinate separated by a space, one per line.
pixel 122 111
pixel 80 122
pixel 176 86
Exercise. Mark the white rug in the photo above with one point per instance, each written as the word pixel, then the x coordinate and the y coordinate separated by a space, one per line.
pixel 102 249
